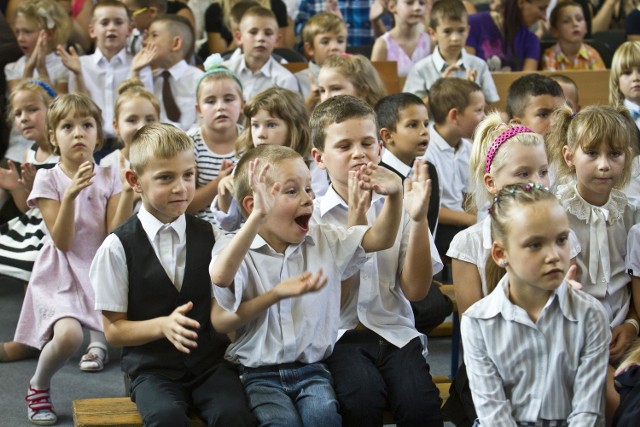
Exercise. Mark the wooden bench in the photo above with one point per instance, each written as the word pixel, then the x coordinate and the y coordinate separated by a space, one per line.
pixel 122 412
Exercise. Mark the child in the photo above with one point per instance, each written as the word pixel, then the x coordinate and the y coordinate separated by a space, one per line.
pixel 448 26
pixel 350 75
pixel 275 116
pixel 143 13
pixel 280 341
pixel 624 77
pixel 379 362
pixel 169 43
pixel 325 34
pixel 169 347
pixel 406 43
pixel 457 106
pixel 80 204
pixel 553 369
pixel 569 89
pixel 39 26
pixel 597 146
pixel 570 53
pixel 531 101
pixel 256 68
pixel 219 104
pixel 99 75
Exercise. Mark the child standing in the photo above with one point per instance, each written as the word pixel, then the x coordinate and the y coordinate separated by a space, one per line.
pixel 169 347
pixel 406 43
pixel 219 104
pixel 350 75
pixel 535 349
pixel 256 68
pixel 80 203
pixel 449 27
pixel 568 26
pixel 281 342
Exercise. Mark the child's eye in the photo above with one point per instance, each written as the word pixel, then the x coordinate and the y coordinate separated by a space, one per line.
pixel 543 173
pixel 189 175
pixel 230 98
pixel 272 125
pixel 150 119
pixel 534 245
pixel 341 40
pixel 562 240
pixel 616 153
pixel 523 174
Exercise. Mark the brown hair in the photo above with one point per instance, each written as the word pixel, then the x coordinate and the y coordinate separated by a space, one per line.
pixel 76 104
pixel 452 10
pixel 27 86
pixel 448 93
pixel 359 71
pixel 323 22
pixel 337 110
pixel 157 140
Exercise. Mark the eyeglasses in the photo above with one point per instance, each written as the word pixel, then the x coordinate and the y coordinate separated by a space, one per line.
pixel 139 11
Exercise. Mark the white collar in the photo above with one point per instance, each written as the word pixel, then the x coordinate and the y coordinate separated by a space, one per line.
pixel 332 199
pixel 120 56
pixel 439 63
pixel 393 161
pixel 152 225
pixel 177 70
pixel 266 68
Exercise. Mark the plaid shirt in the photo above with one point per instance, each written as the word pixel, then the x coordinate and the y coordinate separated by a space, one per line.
pixel 587 59
pixel 354 12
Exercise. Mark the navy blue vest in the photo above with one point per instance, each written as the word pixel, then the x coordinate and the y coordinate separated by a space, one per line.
pixel 152 294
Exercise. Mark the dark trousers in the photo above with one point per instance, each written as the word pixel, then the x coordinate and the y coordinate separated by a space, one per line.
pixel 371 375
pixel 217 395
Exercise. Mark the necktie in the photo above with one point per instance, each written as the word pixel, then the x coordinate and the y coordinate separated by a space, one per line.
pixel 173 113
pixel 635 114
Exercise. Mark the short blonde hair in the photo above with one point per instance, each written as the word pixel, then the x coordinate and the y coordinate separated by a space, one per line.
pixel 627 56
pixel 592 126
pixel 157 141
pixel 77 105
pixel 320 23
pixel 271 154
pixel 285 105
pixel 133 88
pixel 179 26
pixel 486 132
pixel 360 72
pixel 49 15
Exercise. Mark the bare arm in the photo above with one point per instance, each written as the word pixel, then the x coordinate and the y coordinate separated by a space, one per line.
pixel 71 60
pixel 205 194
pixel 458 218
pixel 379 51
pixel 467 284
pixel 602 20
pixel 530 64
pixel 217 44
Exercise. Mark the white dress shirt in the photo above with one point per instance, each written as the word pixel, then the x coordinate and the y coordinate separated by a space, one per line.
pixel 183 87
pixel 553 369
pixel 271 74
pixel 300 329
pixel 375 297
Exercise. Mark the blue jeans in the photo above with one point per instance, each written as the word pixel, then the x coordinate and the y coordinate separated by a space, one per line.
pixel 291 395
pixel 372 375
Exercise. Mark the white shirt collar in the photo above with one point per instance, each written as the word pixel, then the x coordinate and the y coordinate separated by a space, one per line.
pixel 258 242
pixel 152 225
pixel 266 68
pixel 438 141
pixel 332 199
pixel 439 62
pixel 390 159
pixel 176 71
pixel 119 57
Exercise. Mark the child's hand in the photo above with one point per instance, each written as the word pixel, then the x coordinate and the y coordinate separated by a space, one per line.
pixel 225 189
pixel 179 329
pixel 380 179
pixel 448 72
pixel 331 6
pixel 621 338
pixel 376 10
pixel 472 74
pixel 263 198
pixel 28 175
pixel 70 59
pixel 143 58
pixel 314 92
pixel 571 277
pixel 359 200
pixel 226 167
pixel 417 191
pixel 9 179
pixel 300 285
pixel 81 180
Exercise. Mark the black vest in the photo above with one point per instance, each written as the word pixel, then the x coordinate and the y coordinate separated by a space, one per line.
pixel 152 294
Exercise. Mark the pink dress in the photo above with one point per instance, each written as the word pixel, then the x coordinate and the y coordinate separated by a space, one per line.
pixel 59 285
pixel 396 53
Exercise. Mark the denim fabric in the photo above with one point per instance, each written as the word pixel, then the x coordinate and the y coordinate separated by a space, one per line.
pixel 372 375
pixel 291 396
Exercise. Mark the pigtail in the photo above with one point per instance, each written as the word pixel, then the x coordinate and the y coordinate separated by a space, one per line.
pixel 557 139
pixel 493 273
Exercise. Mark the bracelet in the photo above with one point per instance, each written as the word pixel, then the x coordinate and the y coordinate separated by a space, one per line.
pixel 635 324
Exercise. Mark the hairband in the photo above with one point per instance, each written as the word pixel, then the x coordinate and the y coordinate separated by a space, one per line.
pixel 527 188
pixel 44 14
pixel 573 115
pixel 44 86
pixel 501 139
pixel 213 64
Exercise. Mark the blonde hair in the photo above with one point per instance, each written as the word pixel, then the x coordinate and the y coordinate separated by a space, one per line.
pixel 268 154
pixel 157 141
pixel 219 73
pixel 627 56
pixel 49 15
pixel 226 6
pixel 592 126
pixel 76 105
pixel 510 198
pixel 285 105
pixel 320 23
pixel 27 86
pixel 486 132
pixel 360 72
pixel 133 88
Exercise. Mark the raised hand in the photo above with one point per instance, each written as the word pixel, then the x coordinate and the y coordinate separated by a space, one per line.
pixel 226 167
pixel 27 175
pixel 70 59
pixel 417 191
pixel 472 74
pixel 263 198
pixel 380 179
pixel 9 179
pixel 180 329
pixel 300 285
pixel 359 200
pixel 143 58
pixel 331 6
pixel 570 277
pixel 81 180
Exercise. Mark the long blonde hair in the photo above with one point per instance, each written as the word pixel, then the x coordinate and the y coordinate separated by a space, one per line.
pixel 50 16
pixel 627 56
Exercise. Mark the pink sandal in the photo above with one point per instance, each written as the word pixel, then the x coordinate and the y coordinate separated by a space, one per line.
pixel 39 408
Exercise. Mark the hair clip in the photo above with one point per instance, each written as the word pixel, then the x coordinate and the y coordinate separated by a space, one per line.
pixel 501 139
pixel 44 14
pixel 512 190
pixel 573 115
pixel 213 61
pixel 213 64
pixel 44 86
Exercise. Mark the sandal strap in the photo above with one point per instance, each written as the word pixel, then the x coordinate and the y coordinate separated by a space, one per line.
pixel 38 400
pixel 99 345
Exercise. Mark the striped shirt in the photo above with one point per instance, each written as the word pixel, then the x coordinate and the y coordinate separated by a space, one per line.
pixel 520 371
pixel 208 164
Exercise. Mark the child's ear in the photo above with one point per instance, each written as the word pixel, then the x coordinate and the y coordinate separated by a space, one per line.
pixel 176 44
pixel 52 138
pixel 490 184
pixel 153 11
pixel 198 112
pixel 386 136
pixel 568 156
pixel 317 157
pixel 247 204
pixel 132 180
pixel 92 32
pixel 309 50
pixel 553 32
pixel 238 36
pixel 515 121
pixel 432 32
pixel 499 254
pixel 452 115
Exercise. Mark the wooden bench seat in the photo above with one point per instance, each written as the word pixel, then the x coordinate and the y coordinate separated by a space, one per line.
pixel 122 412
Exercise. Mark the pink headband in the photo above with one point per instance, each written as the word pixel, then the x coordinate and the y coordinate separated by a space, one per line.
pixel 501 139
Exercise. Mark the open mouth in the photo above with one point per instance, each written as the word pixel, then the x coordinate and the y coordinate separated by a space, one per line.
pixel 303 221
